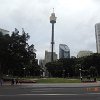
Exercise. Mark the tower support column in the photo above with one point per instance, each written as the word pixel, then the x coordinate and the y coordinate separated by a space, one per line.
pixel 52 42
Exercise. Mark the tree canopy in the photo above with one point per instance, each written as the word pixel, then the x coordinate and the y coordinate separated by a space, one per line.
pixel 16 54
pixel 89 65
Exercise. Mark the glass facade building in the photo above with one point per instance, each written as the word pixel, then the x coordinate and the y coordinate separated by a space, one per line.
pixel 64 51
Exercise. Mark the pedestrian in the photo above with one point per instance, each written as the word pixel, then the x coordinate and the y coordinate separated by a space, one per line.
pixel 12 82
pixel 16 81
pixel 81 78
pixel 1 81
pixel 94 79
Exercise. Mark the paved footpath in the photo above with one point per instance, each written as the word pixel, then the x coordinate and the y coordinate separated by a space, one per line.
pixel 93 84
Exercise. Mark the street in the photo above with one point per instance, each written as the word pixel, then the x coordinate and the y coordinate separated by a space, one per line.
pixel 31 92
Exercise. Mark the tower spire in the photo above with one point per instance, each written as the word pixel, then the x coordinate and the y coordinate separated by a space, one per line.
pixel 52 21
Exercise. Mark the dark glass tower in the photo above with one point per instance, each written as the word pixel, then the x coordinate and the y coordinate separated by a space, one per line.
pixel 64 51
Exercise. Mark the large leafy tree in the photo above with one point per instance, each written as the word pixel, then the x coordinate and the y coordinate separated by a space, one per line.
pixel 4 51
pixel 55 69
pixel 68 66
pixel 91 63
pixel 15 53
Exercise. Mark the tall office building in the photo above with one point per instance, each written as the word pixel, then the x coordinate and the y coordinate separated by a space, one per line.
pixel 97 34
pixel 64 51
pixel 84 53
pixel 42 65
pixel 48 56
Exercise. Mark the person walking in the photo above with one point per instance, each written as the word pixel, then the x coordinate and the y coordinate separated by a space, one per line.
pixel 12 82
pixel 16 80
pixel 1 81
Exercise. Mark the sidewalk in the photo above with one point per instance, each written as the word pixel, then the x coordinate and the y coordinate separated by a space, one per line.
pixel 62 85
pixel 58 85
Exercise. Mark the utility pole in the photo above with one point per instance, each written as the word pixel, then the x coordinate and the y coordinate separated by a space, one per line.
pixel 52 21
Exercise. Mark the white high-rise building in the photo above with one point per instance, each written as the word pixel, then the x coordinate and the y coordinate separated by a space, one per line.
pixel 47 59
pixel 42 65
pixel 84 53
pixel 97 34
pixel 4 31
pixel 48 56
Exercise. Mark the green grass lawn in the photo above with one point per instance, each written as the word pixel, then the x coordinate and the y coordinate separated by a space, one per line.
pixel 57 80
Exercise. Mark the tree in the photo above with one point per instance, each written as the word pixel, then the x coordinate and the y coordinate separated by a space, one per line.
pixel 15 54
pixel 55 69
pixel 4 51
pixel 92 60
pixel 93 71
pixel 68 66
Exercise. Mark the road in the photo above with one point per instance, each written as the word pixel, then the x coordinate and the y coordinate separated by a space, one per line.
pixel 30 92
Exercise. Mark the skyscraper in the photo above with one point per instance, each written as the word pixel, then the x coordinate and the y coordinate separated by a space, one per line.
pixel 64 51
pixel 97 34
pixel 48 56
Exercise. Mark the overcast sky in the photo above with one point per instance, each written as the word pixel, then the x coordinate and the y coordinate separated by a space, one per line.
pixel 75 22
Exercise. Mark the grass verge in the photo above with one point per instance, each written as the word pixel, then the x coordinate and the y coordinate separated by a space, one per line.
pixel 57 80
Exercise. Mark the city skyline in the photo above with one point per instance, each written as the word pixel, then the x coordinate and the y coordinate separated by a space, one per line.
pixel 75 25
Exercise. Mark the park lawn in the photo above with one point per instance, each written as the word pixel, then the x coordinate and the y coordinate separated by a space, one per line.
pixel 57 80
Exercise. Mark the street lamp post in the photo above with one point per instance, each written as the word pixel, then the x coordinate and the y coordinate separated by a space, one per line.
pixel 29 73
pixel 63 73
pixel 80 73
pixel 24 71
pixel 41 72
pixel 68 75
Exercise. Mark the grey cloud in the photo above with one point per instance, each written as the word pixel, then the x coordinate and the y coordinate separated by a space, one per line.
pixel 74 27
